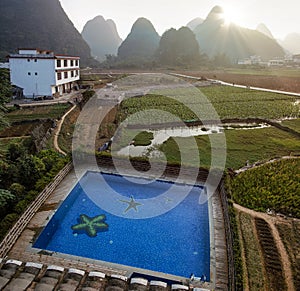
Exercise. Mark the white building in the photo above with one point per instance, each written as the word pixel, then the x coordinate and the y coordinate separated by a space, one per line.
pixel 4 65
pixel 42 73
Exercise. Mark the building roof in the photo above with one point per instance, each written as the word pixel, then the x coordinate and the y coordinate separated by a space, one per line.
pixel 42 54
pixel 15 274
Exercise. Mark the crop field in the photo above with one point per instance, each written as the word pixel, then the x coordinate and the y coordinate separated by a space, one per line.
pixel 290 232
pixel 15 130
pixel 229 103
pixel 284 80
pixel 272 259
pixel 293 124
pixel 252 253
pixel 242 145
pixel 273 186
pixel 38 112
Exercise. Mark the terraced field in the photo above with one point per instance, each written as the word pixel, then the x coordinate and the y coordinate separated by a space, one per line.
pixel 272 260
pixel 290 232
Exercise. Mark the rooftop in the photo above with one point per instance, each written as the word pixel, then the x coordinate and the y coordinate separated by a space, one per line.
pixel 40 54
pixel 18 275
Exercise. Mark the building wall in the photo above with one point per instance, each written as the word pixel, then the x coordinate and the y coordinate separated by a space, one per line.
pixel 35 75
pixel 67 72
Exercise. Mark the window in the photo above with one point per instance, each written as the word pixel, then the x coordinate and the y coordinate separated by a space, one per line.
pixel 77 63
pixel 58 63
pixel 35 60
pixel 29 74
pixel 58 76
pixel 72 63
pixel 66 75
pixel 72 74
pixel 28 60
pixel 65 63
pixel 36 73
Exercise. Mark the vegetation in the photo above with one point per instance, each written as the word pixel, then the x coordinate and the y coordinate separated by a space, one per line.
pixel 5 94
pixel 229 102
pixel 144 138
pixel 290 232
pixel 292 124
pixel 272 261
pixel 274 186
pixel 254 267
pixel 23 175
pixel 242 145
pixel 232 102
pixel 238 266
pixel 37 112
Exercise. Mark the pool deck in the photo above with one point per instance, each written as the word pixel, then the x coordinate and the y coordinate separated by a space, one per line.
pixel 23 251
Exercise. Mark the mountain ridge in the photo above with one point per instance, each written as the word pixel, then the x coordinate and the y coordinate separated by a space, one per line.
pixel 102 36
pixel 40 24
pixel 215 37
pixel 141 42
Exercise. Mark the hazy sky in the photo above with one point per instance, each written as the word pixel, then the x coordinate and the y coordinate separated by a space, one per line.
pixel 281 17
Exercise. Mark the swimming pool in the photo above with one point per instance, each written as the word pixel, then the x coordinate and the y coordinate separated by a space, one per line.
pixel 176 242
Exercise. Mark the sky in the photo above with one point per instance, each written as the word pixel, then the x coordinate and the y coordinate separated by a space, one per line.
pixel 281 17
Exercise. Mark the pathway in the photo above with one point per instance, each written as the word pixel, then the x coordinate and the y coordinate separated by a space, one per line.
pixel 239 86
pixel 259 163
pixel 286 264
pixel 58 129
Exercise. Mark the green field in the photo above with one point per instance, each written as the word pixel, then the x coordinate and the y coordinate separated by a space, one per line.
pixel 38 112
pixel 242 145
pixel 292 124
pixel 229 102
pixel 273 186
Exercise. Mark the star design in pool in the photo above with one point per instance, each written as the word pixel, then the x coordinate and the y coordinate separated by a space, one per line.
pixel 90 225
pixel 132 204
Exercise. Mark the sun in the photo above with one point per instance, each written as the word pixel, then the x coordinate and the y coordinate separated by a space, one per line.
pixel 232 15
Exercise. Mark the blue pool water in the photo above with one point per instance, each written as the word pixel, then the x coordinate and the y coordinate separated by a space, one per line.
pixel 176 242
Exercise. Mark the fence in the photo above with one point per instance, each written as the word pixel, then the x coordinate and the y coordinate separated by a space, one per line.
pixel 229 237
pixel 12 236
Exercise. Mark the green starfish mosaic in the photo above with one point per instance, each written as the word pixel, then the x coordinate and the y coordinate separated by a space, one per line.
pixel 90 225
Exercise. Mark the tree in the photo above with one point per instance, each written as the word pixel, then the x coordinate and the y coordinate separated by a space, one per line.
pixel 5 94
pixel 6 201
pixel 30 169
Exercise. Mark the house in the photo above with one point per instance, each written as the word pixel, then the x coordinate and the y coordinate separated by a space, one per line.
pixel 276 63
pixel 43 73
pixel 4 65
pixel 296 59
